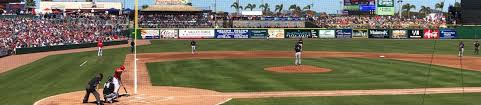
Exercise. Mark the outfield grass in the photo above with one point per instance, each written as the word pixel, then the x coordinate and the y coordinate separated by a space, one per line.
pixel 435 99
pixel 247 75
pixel 388 46
pixel 61 73
pixel 56 74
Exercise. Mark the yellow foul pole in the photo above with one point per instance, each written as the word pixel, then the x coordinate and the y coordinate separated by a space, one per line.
pixel 136 26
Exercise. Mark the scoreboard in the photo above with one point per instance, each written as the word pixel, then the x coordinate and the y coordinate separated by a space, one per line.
pixel 471 12
pixel 359 7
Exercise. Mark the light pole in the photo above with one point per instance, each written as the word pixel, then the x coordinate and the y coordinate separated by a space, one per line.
pixel 400 2
pixel 215 13
pixel 341 2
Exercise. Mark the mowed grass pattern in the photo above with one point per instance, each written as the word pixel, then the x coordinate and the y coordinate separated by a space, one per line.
pixel 384 46
pixel 247 75
pixel 435 99
pixel 58 74
pixel 55 75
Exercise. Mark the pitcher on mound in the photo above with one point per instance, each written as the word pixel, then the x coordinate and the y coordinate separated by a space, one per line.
pixel 298 49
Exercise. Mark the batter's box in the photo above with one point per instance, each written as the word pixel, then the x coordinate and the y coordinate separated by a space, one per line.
pixel 147 99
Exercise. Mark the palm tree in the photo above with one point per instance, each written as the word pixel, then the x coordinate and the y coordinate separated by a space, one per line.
pixel 408 8
pixel 457 4
pixel 308 7
pixel 295 9
pixel 250 6
pixel 29 3
pixel 264 7
pixel 279 8
pixel 439 6
pixel 236 6
pixel 145 6
pixel 425 10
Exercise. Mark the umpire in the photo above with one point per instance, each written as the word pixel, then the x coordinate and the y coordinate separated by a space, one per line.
pixel 91 88
pixel 132 46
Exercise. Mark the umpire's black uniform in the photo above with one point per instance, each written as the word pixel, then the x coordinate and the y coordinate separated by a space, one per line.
pixel 132 46
pixel 91 88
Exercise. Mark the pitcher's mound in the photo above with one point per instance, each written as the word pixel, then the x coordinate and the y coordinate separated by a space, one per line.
pixel 298 69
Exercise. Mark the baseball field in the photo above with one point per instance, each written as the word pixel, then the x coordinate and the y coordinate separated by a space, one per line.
pixel 234 72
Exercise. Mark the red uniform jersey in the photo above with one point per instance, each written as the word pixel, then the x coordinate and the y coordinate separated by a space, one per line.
pixel 100 44
pixel 118 73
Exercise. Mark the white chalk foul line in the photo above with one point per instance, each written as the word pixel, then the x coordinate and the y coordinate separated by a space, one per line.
pixel 37 103
pixel 224 101
pixel 83 63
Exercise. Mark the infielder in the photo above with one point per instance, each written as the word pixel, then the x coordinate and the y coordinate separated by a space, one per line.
pixel 461 49
pixel 298 49
pixel 91 88
pixel 193 45
pixel 476 48
pixel 100 46
pixel 118 79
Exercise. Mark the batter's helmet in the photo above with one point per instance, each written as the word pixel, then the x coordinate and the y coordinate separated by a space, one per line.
pixel 122 67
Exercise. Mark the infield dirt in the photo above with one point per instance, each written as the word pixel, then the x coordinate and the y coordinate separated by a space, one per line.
pixel 164 95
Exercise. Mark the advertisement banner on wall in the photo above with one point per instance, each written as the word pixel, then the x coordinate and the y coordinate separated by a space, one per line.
pixel 447 34
pixel 327 33
pixel 196 34
pixel 232 33
pixel 431 34
pixel 360 33
pixel 258 33
pixel 415 34
pixel 168 34
pixel 379 33
pixel 301 33
pixel 276 33
pixel 150 34
pixel 344 33
pixel 399 34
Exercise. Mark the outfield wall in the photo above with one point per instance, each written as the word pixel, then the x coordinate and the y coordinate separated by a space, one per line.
pixel 469 32
pixel 320 33
pixel 66 47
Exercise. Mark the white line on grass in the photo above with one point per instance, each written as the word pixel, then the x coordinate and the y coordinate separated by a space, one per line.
pixel 224 101
pixel 83 63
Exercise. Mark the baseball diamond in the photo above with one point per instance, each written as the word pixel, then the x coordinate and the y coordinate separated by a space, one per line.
pixel 240 52
pixel 237 73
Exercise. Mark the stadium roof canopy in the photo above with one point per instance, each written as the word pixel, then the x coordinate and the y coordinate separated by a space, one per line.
pixel 171 8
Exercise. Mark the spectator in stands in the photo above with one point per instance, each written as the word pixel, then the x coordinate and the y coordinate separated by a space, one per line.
pixel 72 29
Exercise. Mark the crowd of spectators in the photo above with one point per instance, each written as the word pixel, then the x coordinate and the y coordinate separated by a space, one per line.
pixel 268 24
pixel 22 32
pixel 174 21
pixel 378 22
pixel 363 22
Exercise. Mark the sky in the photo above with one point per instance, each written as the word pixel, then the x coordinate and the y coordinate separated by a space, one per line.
pixel 329 6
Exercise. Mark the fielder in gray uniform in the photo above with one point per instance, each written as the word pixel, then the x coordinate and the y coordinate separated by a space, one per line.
pixel 461 49
pixel 298 49
pixel 193 45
